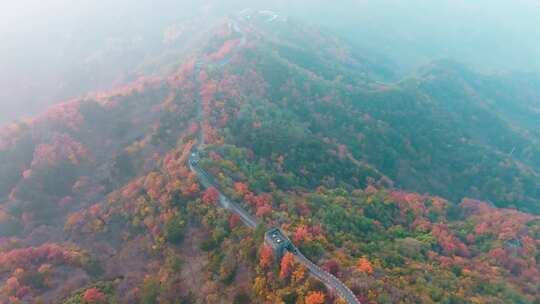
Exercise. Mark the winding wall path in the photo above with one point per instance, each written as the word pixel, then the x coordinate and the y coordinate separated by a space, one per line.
pixel 208 181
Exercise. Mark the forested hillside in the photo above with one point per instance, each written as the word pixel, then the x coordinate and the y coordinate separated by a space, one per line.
pixel 419 190
pixel 445 130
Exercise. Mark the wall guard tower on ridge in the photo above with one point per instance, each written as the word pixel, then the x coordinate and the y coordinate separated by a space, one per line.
pixel 279 242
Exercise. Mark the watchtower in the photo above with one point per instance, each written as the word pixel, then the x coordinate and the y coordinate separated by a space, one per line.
pixel 278 241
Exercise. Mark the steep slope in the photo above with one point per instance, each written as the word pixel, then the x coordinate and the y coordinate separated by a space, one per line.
pixel 445 130
pixel 98 201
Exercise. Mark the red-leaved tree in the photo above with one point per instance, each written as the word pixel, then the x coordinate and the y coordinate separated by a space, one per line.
pixel 211 196
pixel 266 256
pixel 94 296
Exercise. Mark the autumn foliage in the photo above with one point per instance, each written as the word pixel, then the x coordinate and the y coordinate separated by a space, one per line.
pixel 62 147
pixel 266 256
pixel 364 265
pixel 287 265
pixel 234 221
pixel 315 298
pixel 211 196
pixel 129 196
pixel 47 253
pixel 227 47
pixel 302 234
pixel 241 188
pixel 94 296
pixel 65 114
pixel 332 267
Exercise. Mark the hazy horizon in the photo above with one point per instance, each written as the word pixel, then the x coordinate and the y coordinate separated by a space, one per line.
pixel 48 47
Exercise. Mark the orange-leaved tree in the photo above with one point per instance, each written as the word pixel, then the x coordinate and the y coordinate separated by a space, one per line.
pixel 286 266
pixel 364 265
pixel 315 298
pixel 241 188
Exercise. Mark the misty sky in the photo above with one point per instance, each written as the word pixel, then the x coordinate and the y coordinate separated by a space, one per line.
pixel 44 42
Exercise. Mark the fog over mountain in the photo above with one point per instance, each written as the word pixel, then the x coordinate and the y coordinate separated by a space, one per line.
pixel 297 152
pixel 58 49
